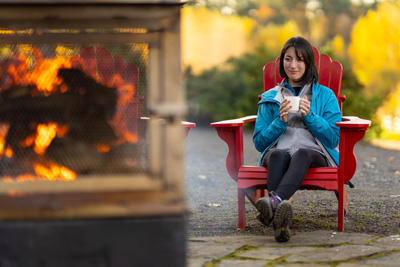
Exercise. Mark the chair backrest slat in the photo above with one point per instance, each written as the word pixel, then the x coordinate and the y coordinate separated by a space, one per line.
pixel 269 76
pixel 105 66
pixel 133 76
pixel 325 70
pixel 316 52
pixel 336 77
pixel 278 78
pixel 330 73
pixel 88 62
pixel 119 69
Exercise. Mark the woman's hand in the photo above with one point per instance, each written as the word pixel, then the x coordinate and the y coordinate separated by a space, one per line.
pixel 304 106
pixel 284 110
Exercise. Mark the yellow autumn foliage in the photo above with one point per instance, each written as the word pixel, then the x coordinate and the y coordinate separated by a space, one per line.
pixel 274 36
pixel 389 114
pixel 338 46
pixel 209 38
pixel 317 31
pixel 375 46
pixel 375 55
pixel 265 12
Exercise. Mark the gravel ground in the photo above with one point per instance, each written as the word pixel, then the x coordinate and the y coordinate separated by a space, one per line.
pixel 374 203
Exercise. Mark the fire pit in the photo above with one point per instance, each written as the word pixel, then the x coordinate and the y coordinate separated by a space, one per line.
pixel 91 139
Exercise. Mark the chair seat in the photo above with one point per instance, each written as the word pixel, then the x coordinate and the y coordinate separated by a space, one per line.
pixel 317 178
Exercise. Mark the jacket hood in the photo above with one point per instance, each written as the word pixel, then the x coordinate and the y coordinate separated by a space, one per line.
pixel 273 95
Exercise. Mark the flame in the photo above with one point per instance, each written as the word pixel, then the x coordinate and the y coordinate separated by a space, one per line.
pixel 131 138
pixel 61 130
pixel 126 92
pixel 4 150
pixel 9 152
pixel 30 67
pixel 3 133
pixel 25 177
pixel 103 148
pixel 54 172
pixel 43 75
pixel 29 141
pixel 7 179
pixel 45 134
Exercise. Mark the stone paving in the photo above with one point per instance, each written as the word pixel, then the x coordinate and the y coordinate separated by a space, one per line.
pixel 319 248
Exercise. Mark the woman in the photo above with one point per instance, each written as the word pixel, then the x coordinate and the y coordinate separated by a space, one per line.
pixel 291 143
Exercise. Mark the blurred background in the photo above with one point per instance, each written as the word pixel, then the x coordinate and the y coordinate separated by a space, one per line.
pixel 226 43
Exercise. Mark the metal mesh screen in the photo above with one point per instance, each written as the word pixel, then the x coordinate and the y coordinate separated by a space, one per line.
pixel 68 110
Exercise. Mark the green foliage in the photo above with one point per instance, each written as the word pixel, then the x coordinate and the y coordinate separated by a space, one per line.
pixel 359 104
pixel 229 91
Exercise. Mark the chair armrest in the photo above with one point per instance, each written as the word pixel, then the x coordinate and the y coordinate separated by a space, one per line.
pixel 352 130
pixel 234 122
pixel 231 131
pixel 353 122
pixel 187 126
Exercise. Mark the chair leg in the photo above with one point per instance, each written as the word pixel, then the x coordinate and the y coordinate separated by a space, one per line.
pixel 261 193
pixel 346 203
pixel 342 200
pixel 241 209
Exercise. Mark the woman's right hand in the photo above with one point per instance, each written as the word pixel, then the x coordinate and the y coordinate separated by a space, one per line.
pixel 284 110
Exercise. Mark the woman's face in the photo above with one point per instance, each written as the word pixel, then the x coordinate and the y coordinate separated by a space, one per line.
pixel 294 66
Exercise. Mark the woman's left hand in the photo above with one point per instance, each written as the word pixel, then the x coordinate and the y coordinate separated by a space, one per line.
pixel 304 106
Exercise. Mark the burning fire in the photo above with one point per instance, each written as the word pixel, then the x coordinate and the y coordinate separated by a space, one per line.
pixel 31 68
pixel 43 75
pixel 45 134
pixel 54 172
pixel 3 132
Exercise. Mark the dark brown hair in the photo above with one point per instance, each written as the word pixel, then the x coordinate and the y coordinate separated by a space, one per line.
pixel 302 47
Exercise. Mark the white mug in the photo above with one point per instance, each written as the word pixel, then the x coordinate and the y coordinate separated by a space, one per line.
pixel 294 102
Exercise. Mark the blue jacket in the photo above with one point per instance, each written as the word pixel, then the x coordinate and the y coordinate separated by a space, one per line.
pixel 321 121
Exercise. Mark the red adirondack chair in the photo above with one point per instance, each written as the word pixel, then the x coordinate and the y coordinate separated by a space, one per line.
pixel 113 70
pixel 252 180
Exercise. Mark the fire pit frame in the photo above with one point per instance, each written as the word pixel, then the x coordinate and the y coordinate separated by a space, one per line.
pixel 160 190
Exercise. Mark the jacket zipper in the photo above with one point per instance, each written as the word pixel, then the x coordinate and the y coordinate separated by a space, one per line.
pixel 331 162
